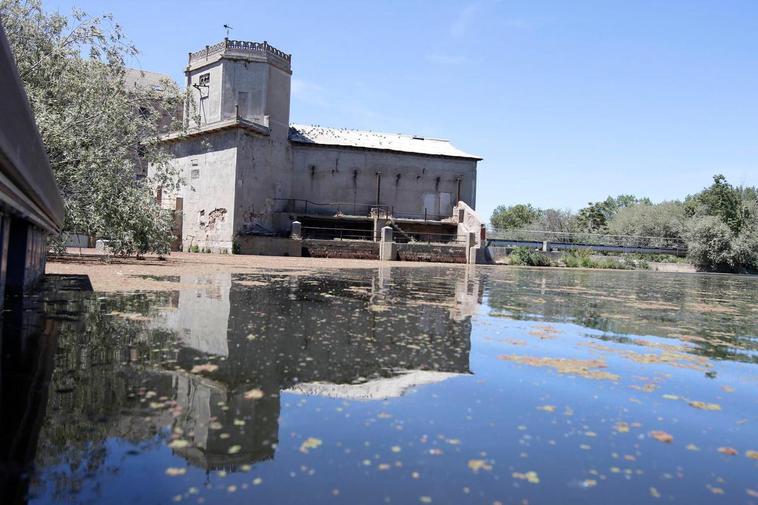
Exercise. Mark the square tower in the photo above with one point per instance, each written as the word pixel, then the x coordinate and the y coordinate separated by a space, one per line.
pixel 239 79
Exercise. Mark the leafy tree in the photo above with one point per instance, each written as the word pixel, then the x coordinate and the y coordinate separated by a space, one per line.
pixel 665 220
pixel 594 217
pixel 513 217
pixel 557 220
pixel 730 204
pixel 95 130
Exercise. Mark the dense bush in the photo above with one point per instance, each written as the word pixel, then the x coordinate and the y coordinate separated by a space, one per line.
pixel 713 246
pixel 583 258
pixel 529 257
pixel 722 231
pixel 665 220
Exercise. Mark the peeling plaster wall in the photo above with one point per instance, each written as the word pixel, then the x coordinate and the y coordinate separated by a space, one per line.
pixel 409 182
pixel 264 173
pixel 207 168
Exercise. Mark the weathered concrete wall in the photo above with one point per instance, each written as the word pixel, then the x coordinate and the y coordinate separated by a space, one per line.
pixel 269 246
pixel 264 173
pixel 431 252
pixel 207 100
pixel 410 183
pixel 207 168
pixel 352 249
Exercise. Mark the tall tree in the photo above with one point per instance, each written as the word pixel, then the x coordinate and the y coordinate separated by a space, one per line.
pixel 95 130
pixel 513 217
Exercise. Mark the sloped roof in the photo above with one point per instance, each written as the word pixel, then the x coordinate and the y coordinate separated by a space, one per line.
pixel 308 134
pixel 135 78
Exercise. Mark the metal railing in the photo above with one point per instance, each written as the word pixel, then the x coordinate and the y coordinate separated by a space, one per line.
pixel 428 238
pixel 326 233
pixel 308 207
pixel 587 239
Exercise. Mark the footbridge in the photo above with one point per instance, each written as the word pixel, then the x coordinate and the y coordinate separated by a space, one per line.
pixel 566 241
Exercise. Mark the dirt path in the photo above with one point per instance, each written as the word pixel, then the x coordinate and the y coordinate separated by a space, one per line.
pixel 129 274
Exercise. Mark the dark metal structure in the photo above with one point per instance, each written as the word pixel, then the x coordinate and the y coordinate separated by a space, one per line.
pixel 30 204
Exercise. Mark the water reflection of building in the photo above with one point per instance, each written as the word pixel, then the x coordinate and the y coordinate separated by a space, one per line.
pixel 358 337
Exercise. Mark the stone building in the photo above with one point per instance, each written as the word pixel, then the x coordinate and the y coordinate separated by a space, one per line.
pixel 247 171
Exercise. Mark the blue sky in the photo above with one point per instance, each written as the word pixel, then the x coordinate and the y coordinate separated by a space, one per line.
pixel 566 101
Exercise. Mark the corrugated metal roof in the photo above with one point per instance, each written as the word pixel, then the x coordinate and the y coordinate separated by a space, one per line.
pixel 308 134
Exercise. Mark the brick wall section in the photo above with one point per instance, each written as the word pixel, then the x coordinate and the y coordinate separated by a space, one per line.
pixel 349 249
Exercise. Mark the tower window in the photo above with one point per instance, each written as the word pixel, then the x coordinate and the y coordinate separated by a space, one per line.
pixel 204 79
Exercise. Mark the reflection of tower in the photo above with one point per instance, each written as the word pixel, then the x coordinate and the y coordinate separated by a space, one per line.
pixel 356 337
pixel 214 420
pixel 200 319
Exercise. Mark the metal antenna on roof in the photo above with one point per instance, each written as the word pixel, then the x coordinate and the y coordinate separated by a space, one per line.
pixel 227 28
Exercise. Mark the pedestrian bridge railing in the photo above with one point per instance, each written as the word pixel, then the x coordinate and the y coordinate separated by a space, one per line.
pixel 601 242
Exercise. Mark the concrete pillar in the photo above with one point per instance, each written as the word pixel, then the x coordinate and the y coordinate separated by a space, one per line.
pixel 296 230
pixel 544 246
pixel 387 245
pixel 471 248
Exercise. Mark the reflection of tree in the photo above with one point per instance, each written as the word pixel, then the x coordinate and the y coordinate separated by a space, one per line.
pixel 714 310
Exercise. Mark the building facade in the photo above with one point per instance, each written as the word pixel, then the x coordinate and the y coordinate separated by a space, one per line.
pixel 246 170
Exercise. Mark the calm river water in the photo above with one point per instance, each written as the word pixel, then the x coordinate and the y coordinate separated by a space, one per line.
pixel 396 385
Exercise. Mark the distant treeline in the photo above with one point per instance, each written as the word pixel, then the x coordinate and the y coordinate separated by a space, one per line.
pixel 719 225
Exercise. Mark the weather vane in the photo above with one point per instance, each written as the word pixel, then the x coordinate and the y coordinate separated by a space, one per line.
pixel 227 27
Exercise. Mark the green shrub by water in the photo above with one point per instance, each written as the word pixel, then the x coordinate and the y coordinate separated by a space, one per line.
pixel 528 257
pixel 582 258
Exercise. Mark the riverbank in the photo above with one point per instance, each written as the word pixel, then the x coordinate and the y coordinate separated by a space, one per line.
pixel 111 274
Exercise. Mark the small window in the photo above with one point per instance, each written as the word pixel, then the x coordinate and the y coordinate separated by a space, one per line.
pixel 195 174
pixel 205 79
pixel 193 162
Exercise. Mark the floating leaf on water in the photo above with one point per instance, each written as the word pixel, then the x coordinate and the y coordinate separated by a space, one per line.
pixel 207 368
pixel 662 436
pixel 751 454
pixel 174 472
pixel 621 427
pixel 654 493
pixel 234 449
pixel 729 451
pixel 581 368
pixel 479 464
pixel 396 448
pixel 727 389
pixel 178 443
pixel 692 447
pixel 530 477
pixel 254 394
pixel 547 408
pixel 705 406
pixel 587 483
pixel 257 481
pixel 670 397
pixel 308 444
pixel 425 499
